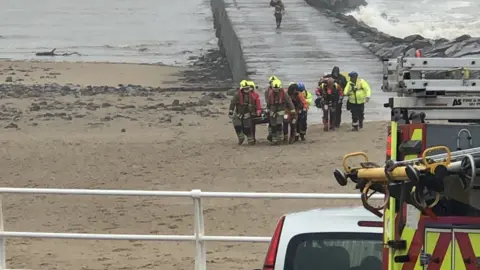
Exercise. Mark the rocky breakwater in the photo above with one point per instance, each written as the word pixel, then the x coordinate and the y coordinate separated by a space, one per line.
pixel 96 106
pixel 386 46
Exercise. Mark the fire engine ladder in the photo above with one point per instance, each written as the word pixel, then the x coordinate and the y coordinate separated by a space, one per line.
pixel 451 95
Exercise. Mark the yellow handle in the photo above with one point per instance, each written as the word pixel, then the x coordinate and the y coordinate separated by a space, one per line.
pixel 445 163
pixel 365 197
pixel 348 156
pixel 433 204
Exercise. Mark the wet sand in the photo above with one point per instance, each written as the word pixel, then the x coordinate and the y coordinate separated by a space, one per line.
pixel 133 142
pixel 111 74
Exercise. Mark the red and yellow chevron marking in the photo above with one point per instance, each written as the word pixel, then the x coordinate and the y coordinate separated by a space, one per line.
pixel 459 255
pixel 467 249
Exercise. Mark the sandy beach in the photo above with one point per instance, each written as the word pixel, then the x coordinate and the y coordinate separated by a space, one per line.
pixel 152 141
pixel 36 72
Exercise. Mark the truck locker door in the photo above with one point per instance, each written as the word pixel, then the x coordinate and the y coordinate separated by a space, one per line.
pixel 466 250
pixel 437 250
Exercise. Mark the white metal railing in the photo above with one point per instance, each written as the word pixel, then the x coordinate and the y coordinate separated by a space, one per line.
pixel 198 237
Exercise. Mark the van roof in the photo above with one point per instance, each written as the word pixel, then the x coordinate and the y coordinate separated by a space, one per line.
pixel 338 219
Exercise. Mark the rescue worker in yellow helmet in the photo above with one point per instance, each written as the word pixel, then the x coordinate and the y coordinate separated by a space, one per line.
pixel 278 104
pixel 258 109
pixel 358 92
pixel 243 106
pixel 302 117
pixel 271 79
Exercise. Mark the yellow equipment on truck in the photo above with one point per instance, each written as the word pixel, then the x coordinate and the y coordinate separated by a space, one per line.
pixel 431 211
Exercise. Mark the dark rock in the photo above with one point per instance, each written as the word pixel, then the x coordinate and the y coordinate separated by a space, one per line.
pixel 9 79
pixel 34 107
pixel 12 125
pixel 123 107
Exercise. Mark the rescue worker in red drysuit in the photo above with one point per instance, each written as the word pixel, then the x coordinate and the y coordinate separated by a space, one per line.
pixel 244 105
pixel 328 93
pixel 292 122
pixel 253 87
pixel 342 81
pixel 279 104
pixel 270 80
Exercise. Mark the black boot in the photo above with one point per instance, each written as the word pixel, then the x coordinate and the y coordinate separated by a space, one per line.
pixel 360 124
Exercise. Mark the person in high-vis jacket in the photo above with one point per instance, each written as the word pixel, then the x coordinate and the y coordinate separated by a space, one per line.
pixel 358 92
pixel 279 104
pixel 302 117
pixel 243 106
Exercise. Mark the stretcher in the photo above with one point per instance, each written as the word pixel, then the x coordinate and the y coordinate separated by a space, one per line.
pixel 418 175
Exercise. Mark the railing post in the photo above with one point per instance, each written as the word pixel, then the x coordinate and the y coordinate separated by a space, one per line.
pixel 3 260
pixel 199 228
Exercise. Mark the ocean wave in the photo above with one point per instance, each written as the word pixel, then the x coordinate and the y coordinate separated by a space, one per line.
pixel 449 22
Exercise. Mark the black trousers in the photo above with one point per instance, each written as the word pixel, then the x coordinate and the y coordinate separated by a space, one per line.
pixel 278 18
pixel 302 123
pixel 338 114
pixel 357 111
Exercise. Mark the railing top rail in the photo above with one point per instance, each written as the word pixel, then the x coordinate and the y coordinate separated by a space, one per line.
pixel 136 237
pixel 196 193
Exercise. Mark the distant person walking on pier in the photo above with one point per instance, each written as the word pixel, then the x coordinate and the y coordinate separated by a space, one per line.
pixel 279 11
pixel 358 93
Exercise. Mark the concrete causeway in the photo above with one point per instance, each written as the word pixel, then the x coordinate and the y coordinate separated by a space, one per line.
pixel 307 45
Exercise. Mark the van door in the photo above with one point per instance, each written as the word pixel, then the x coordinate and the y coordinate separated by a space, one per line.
pixel 437 249
pixel 466 251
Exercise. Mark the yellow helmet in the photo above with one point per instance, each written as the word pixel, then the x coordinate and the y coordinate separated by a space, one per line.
pixel 251 84
pixel 272 78
pixel 244 84
pixel 277 84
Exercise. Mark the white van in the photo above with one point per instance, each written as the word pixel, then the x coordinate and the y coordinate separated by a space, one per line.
pixel 327 239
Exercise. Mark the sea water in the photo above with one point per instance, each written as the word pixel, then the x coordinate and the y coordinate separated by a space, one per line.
pixel 146 31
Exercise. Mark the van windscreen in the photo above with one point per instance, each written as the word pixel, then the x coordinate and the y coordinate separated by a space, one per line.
pixel 335 251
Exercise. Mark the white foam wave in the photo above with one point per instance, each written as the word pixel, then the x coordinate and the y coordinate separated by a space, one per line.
pixel 448 20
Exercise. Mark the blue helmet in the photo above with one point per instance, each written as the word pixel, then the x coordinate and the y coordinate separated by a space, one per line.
pixel 353 74
pixel 301 86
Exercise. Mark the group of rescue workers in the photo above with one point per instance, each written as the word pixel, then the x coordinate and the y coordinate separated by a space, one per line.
pixel 286 110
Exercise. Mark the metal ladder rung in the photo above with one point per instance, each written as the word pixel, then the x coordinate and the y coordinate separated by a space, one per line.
pixel 437 62
pixel 438 102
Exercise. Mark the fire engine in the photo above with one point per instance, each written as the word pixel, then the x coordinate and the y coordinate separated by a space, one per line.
pixel 431 211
